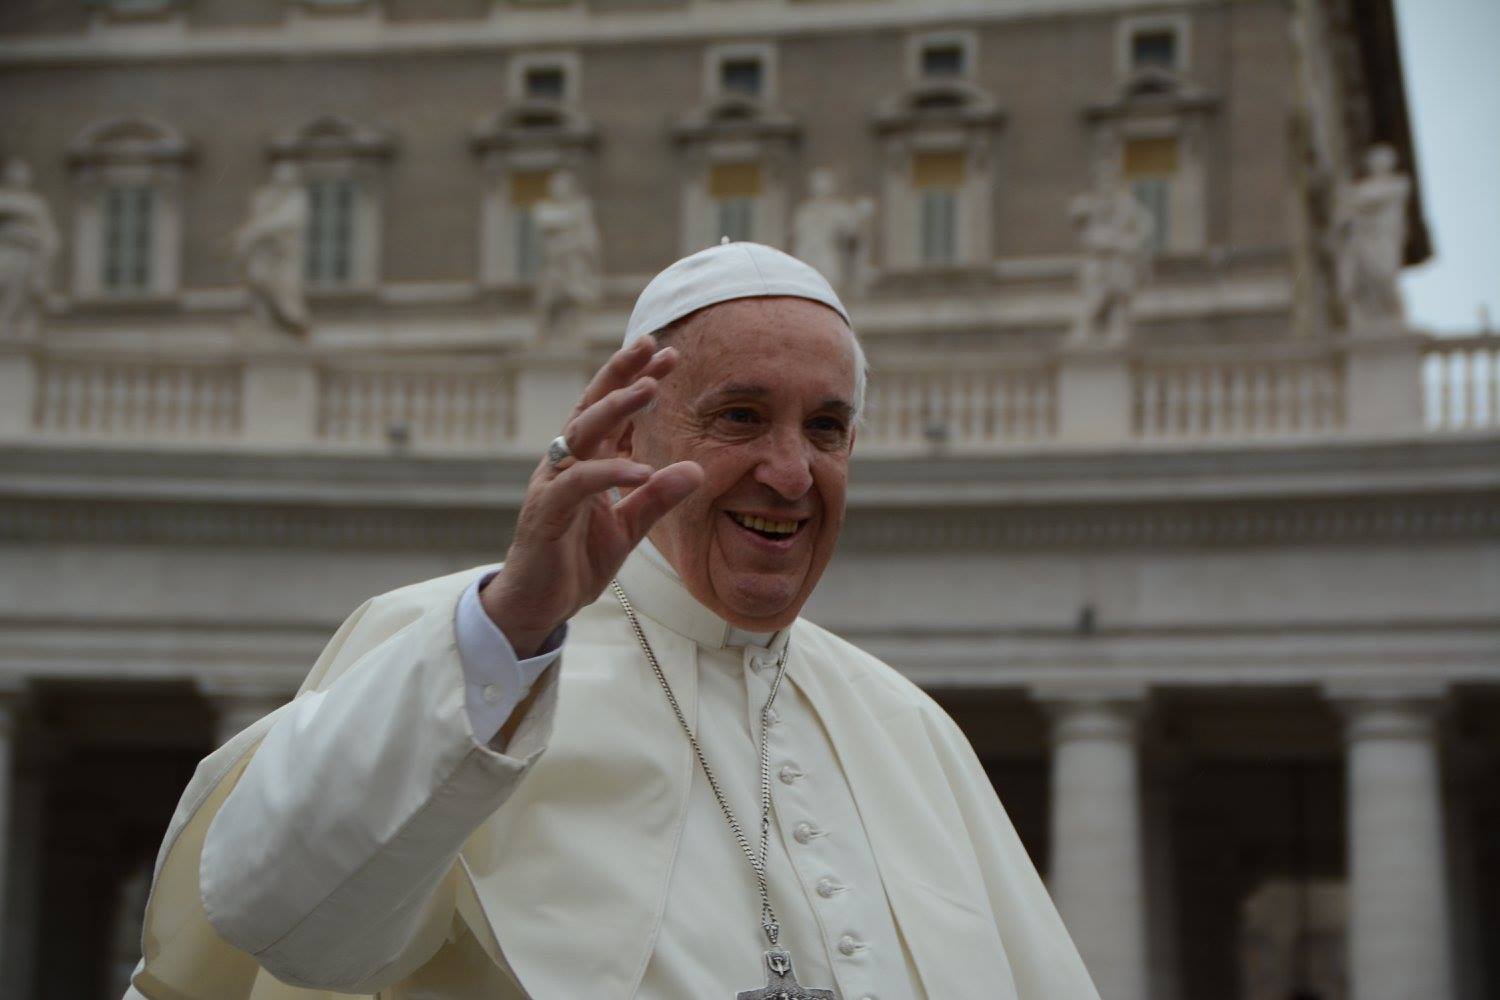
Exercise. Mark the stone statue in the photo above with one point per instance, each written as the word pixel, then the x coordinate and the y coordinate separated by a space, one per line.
pixel 833 234
pixel 272 247
pixel 28 244
pixel 1116 231
pixel 569 277
pixel 1369 233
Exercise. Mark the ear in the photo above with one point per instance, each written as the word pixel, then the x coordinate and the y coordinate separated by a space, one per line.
pixel 625 443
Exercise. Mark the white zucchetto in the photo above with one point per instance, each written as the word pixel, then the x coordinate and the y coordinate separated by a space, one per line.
pixel 721 273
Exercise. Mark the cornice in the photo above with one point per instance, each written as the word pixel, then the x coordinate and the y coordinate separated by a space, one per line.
pixel 485 528
pixel 511 27
pixel 1339 469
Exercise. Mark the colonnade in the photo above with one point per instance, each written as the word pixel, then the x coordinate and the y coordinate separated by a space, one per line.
pixel 1399 946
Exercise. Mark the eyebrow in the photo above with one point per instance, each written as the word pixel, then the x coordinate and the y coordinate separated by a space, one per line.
pixel 754 390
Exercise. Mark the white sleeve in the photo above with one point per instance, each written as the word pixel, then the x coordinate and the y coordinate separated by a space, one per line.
pixel 331 861
pixel 495 682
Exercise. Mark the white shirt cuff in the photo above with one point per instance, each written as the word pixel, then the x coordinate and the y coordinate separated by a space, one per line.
pixel 495 682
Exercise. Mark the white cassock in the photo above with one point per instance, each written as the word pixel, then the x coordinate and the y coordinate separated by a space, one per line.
pixel 372 846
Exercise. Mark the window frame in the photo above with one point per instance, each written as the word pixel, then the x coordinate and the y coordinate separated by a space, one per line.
pixel 120 152
pixel 523 63
pixel 916 45
pixel 1179 25
pixel 713 70
pixel 335 147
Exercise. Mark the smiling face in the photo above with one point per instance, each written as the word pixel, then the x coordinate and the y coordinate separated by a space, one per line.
pixel 763 400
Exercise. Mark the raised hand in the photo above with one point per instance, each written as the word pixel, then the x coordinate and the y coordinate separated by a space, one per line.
pixel 571 536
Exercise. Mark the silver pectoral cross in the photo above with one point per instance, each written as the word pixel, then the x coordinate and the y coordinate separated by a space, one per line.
pixel 781 982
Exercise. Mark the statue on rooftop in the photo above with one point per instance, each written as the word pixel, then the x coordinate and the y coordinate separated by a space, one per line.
pixel 833 234
pixel 570 272
pixel 1116 233
pixel 1369 234
pixel 272 247
pixel 28 244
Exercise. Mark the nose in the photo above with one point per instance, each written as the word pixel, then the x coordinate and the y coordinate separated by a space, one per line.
pixel 785 467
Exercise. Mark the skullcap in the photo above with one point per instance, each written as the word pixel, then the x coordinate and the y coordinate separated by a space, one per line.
pixel 719 274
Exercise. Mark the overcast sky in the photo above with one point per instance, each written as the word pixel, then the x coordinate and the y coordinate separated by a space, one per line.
pixel 1451 55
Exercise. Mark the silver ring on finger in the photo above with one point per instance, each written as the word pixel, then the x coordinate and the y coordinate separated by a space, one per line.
pixel 559 455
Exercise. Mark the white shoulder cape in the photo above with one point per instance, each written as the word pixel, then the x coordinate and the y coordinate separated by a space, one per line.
pixel 582 849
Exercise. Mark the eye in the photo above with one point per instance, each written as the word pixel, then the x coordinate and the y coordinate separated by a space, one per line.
pixel 826 425
pixel 739 415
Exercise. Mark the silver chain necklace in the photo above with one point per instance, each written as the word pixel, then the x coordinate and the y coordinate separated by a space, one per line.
pixel 781 983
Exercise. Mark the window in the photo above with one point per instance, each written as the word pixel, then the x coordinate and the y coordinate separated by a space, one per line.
pixel 127 176
pixel 545 83
pixel 1152 43
pixel 549 77
pixel 943 60
pixel 343 164
pixel 1150 167
pixel 527 187
pixel 1153 48
pixel 941 56
pixel 330 237
pixel 938 178
pixel 128 211
pixel 734 189
pixel 741 75
pixel 740 69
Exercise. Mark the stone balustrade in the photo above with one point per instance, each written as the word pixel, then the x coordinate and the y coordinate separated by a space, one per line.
pixel 1260 396
pixel 135 399
pixel 447 406
pixel 303 399
pixel 963 403
pixel 1461 383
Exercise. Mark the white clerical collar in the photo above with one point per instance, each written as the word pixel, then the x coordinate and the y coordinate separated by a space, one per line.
pixel 657 591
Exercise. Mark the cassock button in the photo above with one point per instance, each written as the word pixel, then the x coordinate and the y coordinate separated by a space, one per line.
pixel 788 774
pixel 803 832
pixel 848 945
pixel 491 694
pixel 828 888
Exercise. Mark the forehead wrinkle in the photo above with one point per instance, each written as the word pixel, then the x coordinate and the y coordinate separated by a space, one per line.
pixel 711 320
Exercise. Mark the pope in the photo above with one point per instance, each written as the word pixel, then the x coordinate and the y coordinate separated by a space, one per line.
pixel 620 764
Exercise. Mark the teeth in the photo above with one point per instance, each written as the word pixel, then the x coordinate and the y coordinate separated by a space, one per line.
pixel 765 524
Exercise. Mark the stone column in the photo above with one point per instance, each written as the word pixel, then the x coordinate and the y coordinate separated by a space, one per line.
pixel 238 703
pixel 9 701
pixel 1098 872
pixel 1399 946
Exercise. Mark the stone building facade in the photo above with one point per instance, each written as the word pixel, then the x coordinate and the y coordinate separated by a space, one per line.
pixel 1158 493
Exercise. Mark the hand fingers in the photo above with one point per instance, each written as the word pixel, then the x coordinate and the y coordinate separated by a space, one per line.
pixel 561 498
pixel 664 490
pixel 603 420
pixel 627 364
